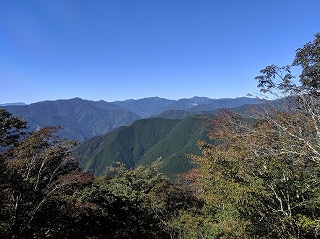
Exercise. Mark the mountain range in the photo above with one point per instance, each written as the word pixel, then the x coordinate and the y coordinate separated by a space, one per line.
pixel 81 119
pixel 153 106
pixel 134 132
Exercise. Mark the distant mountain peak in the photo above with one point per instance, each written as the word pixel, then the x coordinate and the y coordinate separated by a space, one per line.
pixel 13 104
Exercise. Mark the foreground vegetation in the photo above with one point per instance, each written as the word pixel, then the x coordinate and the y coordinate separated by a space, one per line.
pixel 260 179
pixel 44 194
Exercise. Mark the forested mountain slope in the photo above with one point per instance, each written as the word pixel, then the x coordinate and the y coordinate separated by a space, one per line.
pixel 142 143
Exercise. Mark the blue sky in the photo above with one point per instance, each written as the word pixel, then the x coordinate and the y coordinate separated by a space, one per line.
pixel 123 49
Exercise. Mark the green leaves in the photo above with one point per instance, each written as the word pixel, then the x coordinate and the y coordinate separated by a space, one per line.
pixel 308 57
pixel 39 175
pixel 10 128
pixel 123 202
pixel 264 174
pixel 274 78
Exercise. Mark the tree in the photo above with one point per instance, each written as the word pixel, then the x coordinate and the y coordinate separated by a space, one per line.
pixel 10 131
pixel 40 178
pixel 120 204
pixel 136 203
pixel 308 57
pixel 10 128
pixel 263 177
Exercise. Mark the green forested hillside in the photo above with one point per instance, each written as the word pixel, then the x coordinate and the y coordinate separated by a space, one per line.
pixel 175 114
pixel 142 143
pixel 181 140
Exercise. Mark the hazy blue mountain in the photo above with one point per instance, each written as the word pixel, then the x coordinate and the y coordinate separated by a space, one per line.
pixel 201 100
pixel 174 114
pixel 182 104
pixel 145 107
pixel 213 106
pixel 80 119
pixel 15 103
pixel 143 142
pixel 154 106
pixel 225 103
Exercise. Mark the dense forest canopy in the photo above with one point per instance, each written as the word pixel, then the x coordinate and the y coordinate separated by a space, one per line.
pixel 259 179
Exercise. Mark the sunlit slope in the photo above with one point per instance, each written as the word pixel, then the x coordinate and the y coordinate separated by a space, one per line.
pixel 143 142
pixel 181 140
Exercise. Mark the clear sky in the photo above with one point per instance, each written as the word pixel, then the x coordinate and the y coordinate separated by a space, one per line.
pixel 125 49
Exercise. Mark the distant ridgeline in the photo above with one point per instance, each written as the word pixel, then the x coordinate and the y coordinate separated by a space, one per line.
pixel 82 119
pixel 10 104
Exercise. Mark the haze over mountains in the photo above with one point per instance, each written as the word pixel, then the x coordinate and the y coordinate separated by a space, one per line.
pixel 153 106
pixel 15 103
pixel 82 119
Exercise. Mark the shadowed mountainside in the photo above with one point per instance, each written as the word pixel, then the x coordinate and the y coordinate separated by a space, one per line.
pixel 79 119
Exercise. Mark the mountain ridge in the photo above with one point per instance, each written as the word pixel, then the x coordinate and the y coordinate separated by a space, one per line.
pixel 143 142
pixel 79 119
pixel 82 119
